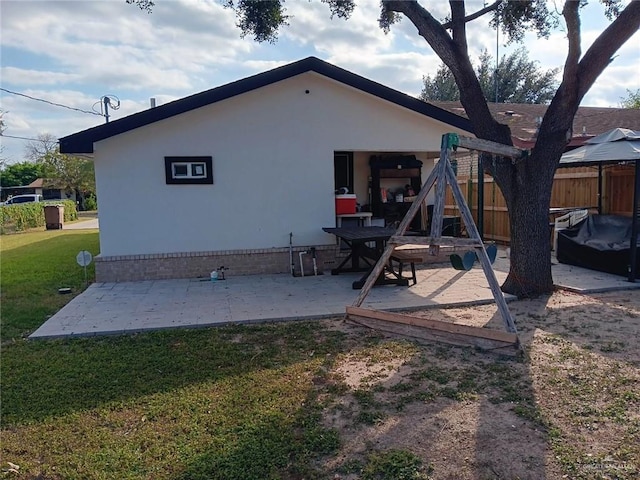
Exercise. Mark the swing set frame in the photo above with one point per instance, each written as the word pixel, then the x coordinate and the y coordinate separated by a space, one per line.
pixel 506 342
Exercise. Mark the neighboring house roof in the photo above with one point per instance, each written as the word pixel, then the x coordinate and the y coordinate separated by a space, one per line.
pixel 37 183
pixel 82 142
pixel 523 120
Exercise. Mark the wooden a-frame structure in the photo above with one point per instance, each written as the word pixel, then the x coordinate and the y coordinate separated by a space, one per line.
pixel 503 342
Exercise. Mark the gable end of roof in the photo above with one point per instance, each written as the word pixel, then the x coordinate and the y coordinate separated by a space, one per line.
pixel 82 142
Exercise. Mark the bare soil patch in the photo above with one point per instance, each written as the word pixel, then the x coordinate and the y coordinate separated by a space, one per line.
pixel 568 408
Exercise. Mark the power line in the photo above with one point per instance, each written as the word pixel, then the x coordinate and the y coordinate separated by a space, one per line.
pixel 50 103
pixel 2 135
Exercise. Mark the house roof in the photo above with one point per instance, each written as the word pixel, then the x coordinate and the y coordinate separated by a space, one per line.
pixel 37 183
pixel 82 142
pixel 522 118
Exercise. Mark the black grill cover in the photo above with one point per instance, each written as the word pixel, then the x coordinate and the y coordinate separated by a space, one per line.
pixel 600 242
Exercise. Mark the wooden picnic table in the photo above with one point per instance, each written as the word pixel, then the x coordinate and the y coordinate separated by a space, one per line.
pixel 366 245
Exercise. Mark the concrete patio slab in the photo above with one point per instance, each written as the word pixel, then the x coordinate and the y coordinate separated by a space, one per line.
pixel 117 308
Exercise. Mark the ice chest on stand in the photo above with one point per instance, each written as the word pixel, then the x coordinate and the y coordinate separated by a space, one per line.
pixel 345 204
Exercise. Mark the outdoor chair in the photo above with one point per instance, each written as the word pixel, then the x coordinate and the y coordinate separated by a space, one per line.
pixel 567 220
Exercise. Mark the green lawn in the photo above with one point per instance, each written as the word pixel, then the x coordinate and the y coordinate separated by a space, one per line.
pixel 231 403
pixel 33 266
pixel 310 400
pixel 227 403
pixel 218 403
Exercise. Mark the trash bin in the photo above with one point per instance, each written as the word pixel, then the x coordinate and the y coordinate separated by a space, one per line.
pixel 54 216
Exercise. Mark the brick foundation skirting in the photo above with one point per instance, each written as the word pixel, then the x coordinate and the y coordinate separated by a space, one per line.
pixel 129 268
pixel 132 268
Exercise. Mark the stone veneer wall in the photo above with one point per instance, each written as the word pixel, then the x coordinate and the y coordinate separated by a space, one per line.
pixel 131 268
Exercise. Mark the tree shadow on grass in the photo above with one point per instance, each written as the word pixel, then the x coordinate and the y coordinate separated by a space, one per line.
pixel 53 378
pixel 581 361
pixel 467 414
pixel 274 445
pixel 234 402
pixel 469 424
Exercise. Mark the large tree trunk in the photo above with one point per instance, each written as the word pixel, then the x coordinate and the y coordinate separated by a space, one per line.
pixel 527 191
pixel 526 186
pixel 530 251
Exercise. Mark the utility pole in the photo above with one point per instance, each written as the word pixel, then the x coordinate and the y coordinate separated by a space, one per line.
pixel 107 102
pixel 495 76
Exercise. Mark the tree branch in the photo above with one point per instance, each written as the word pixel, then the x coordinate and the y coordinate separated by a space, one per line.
pixel 557 123
pixel 600 53
pixel 453 52
pixel 458 26
pixel 572 19
pixel 580 74
pixel 478 14
pixel 428 27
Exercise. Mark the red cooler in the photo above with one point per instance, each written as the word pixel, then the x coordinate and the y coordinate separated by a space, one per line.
pixel 345 204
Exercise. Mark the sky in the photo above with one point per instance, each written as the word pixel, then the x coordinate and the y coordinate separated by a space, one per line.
pixel 73 53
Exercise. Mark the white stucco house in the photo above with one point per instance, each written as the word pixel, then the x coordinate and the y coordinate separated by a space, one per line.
pixel 230 175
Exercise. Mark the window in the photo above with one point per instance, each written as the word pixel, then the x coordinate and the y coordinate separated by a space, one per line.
pixel 185 170
pixel 180 170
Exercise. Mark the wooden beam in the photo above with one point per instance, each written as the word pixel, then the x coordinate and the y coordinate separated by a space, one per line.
pixel 440 241
pixel 487 208
pixel 490 147
pixel 438 206
pixel 435 330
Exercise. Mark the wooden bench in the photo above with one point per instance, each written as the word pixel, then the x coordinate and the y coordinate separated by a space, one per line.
pixel 404 257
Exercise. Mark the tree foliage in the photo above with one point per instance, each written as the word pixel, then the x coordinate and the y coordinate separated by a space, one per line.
pixel 519 80
pixel 65 172
pixel 20 174
pixel 146 5
pixel 632 100
pixel 68 173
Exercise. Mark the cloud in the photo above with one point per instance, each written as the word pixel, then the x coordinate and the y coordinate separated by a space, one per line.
pixel 28 118
pixel 358 44
pixel 117 46
pixel 25 77
pixel 612 86
pixel 311 25
pixel 73 52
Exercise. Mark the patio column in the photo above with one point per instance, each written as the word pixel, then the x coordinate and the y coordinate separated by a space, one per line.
pixel 635 213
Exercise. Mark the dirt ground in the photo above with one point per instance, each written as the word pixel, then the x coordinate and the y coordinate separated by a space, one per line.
pixel 569 407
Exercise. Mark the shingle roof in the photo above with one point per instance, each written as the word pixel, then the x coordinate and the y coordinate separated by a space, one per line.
pixel 82 142
pixel 523 118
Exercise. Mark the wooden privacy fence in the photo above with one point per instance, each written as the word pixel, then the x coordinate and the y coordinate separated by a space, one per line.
pixel 572 187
